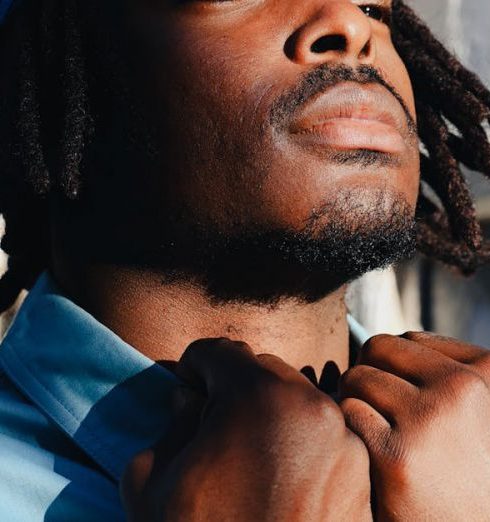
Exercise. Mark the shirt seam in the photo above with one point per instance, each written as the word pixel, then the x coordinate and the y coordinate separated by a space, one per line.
pixel 98 453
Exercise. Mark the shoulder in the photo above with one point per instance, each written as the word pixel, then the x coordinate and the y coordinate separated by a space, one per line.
pixel 44 476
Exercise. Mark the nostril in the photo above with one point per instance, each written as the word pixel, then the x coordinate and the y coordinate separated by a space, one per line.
pixel 366 50
pixel 334 42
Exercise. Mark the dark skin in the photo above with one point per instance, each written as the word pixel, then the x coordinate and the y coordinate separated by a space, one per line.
pixel 223 52
pixel 212 71
pixel 419 402
pixel 246 459
pixel 421 405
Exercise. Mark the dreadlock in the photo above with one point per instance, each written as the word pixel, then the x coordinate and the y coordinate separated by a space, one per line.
pixel 453 108
pixel 42 152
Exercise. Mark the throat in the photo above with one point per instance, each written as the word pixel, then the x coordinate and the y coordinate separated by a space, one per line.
pixel 161 318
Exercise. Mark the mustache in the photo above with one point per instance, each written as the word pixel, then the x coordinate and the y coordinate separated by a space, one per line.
pixel 316 81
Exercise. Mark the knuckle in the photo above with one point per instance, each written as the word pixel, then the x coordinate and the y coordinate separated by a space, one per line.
pixel 394 450
pixel 315 404
pixel 354 374
pixel 269 357
pixel 350 375
pixel 463 387
pixel 201 347
pixel 266 385
pixel 416 336
pixel 350 409
pixel 483 362
pixel 295 400
pixel 225 342
pixel 387 446
pixel 240 345
pixel 260 392
pixel 194 352
pixel 469 386
pixel 352 379
pixel 325 410
pixel 345 381
pixel 204 348
pixel 197 345
pixel 272 390
pixel 348 405
pixel 376 346
pixel 358 419
pixel 272 362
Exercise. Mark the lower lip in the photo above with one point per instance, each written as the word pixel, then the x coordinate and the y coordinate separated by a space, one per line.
pixel 353 134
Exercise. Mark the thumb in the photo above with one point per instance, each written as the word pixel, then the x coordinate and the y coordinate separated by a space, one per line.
pixel 152 463
pixel 133 483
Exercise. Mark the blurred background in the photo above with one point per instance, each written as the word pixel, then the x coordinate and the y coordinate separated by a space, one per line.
pixel 421 294
pixel 461 307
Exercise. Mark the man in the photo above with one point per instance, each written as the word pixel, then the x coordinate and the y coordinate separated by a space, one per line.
pixel 213 173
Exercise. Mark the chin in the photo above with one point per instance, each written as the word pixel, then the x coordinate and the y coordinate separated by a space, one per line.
pixel 343 238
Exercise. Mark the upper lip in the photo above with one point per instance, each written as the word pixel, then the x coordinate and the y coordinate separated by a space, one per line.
pixel 350 100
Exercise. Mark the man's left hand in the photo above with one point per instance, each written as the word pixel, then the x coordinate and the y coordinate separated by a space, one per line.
pixel 421 404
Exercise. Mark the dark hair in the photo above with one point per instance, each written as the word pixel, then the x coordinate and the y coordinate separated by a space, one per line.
pixel 45 125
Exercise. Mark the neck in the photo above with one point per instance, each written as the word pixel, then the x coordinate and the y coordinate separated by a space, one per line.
pixel 161 320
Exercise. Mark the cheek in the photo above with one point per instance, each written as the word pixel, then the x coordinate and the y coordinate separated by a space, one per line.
pixel 395 71
pixel 215 96
pixel 406 91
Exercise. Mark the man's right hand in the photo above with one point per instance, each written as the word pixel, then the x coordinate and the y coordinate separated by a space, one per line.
pixel 259 443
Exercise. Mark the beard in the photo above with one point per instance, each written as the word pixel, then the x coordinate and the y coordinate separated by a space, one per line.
pixel 362 230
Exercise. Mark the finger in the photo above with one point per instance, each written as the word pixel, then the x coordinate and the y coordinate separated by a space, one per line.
pixel 363 420
pixel 456 350
pixel 133 482
pixel 211 364
pixel 185 398
pixel 189 407
pixel 277 366
pixel 218 366
pixel 386 393
pixel 184 427
pixel 406 359
pixel 302 385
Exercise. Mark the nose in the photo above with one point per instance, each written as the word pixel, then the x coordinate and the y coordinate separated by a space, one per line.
pixel 339 30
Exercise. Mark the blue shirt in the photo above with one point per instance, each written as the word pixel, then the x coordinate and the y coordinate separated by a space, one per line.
pixel 76 404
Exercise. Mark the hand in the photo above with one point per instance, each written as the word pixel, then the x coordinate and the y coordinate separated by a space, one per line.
pixel 267 446
pixel 421 404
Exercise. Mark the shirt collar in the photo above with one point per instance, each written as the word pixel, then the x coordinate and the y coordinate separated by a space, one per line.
pixel 359 334
pixel 108 397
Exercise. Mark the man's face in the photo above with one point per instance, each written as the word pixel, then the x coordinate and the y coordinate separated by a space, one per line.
pixel 233 153
pixel 280 123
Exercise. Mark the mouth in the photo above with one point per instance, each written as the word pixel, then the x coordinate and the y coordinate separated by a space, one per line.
pixel 352 117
